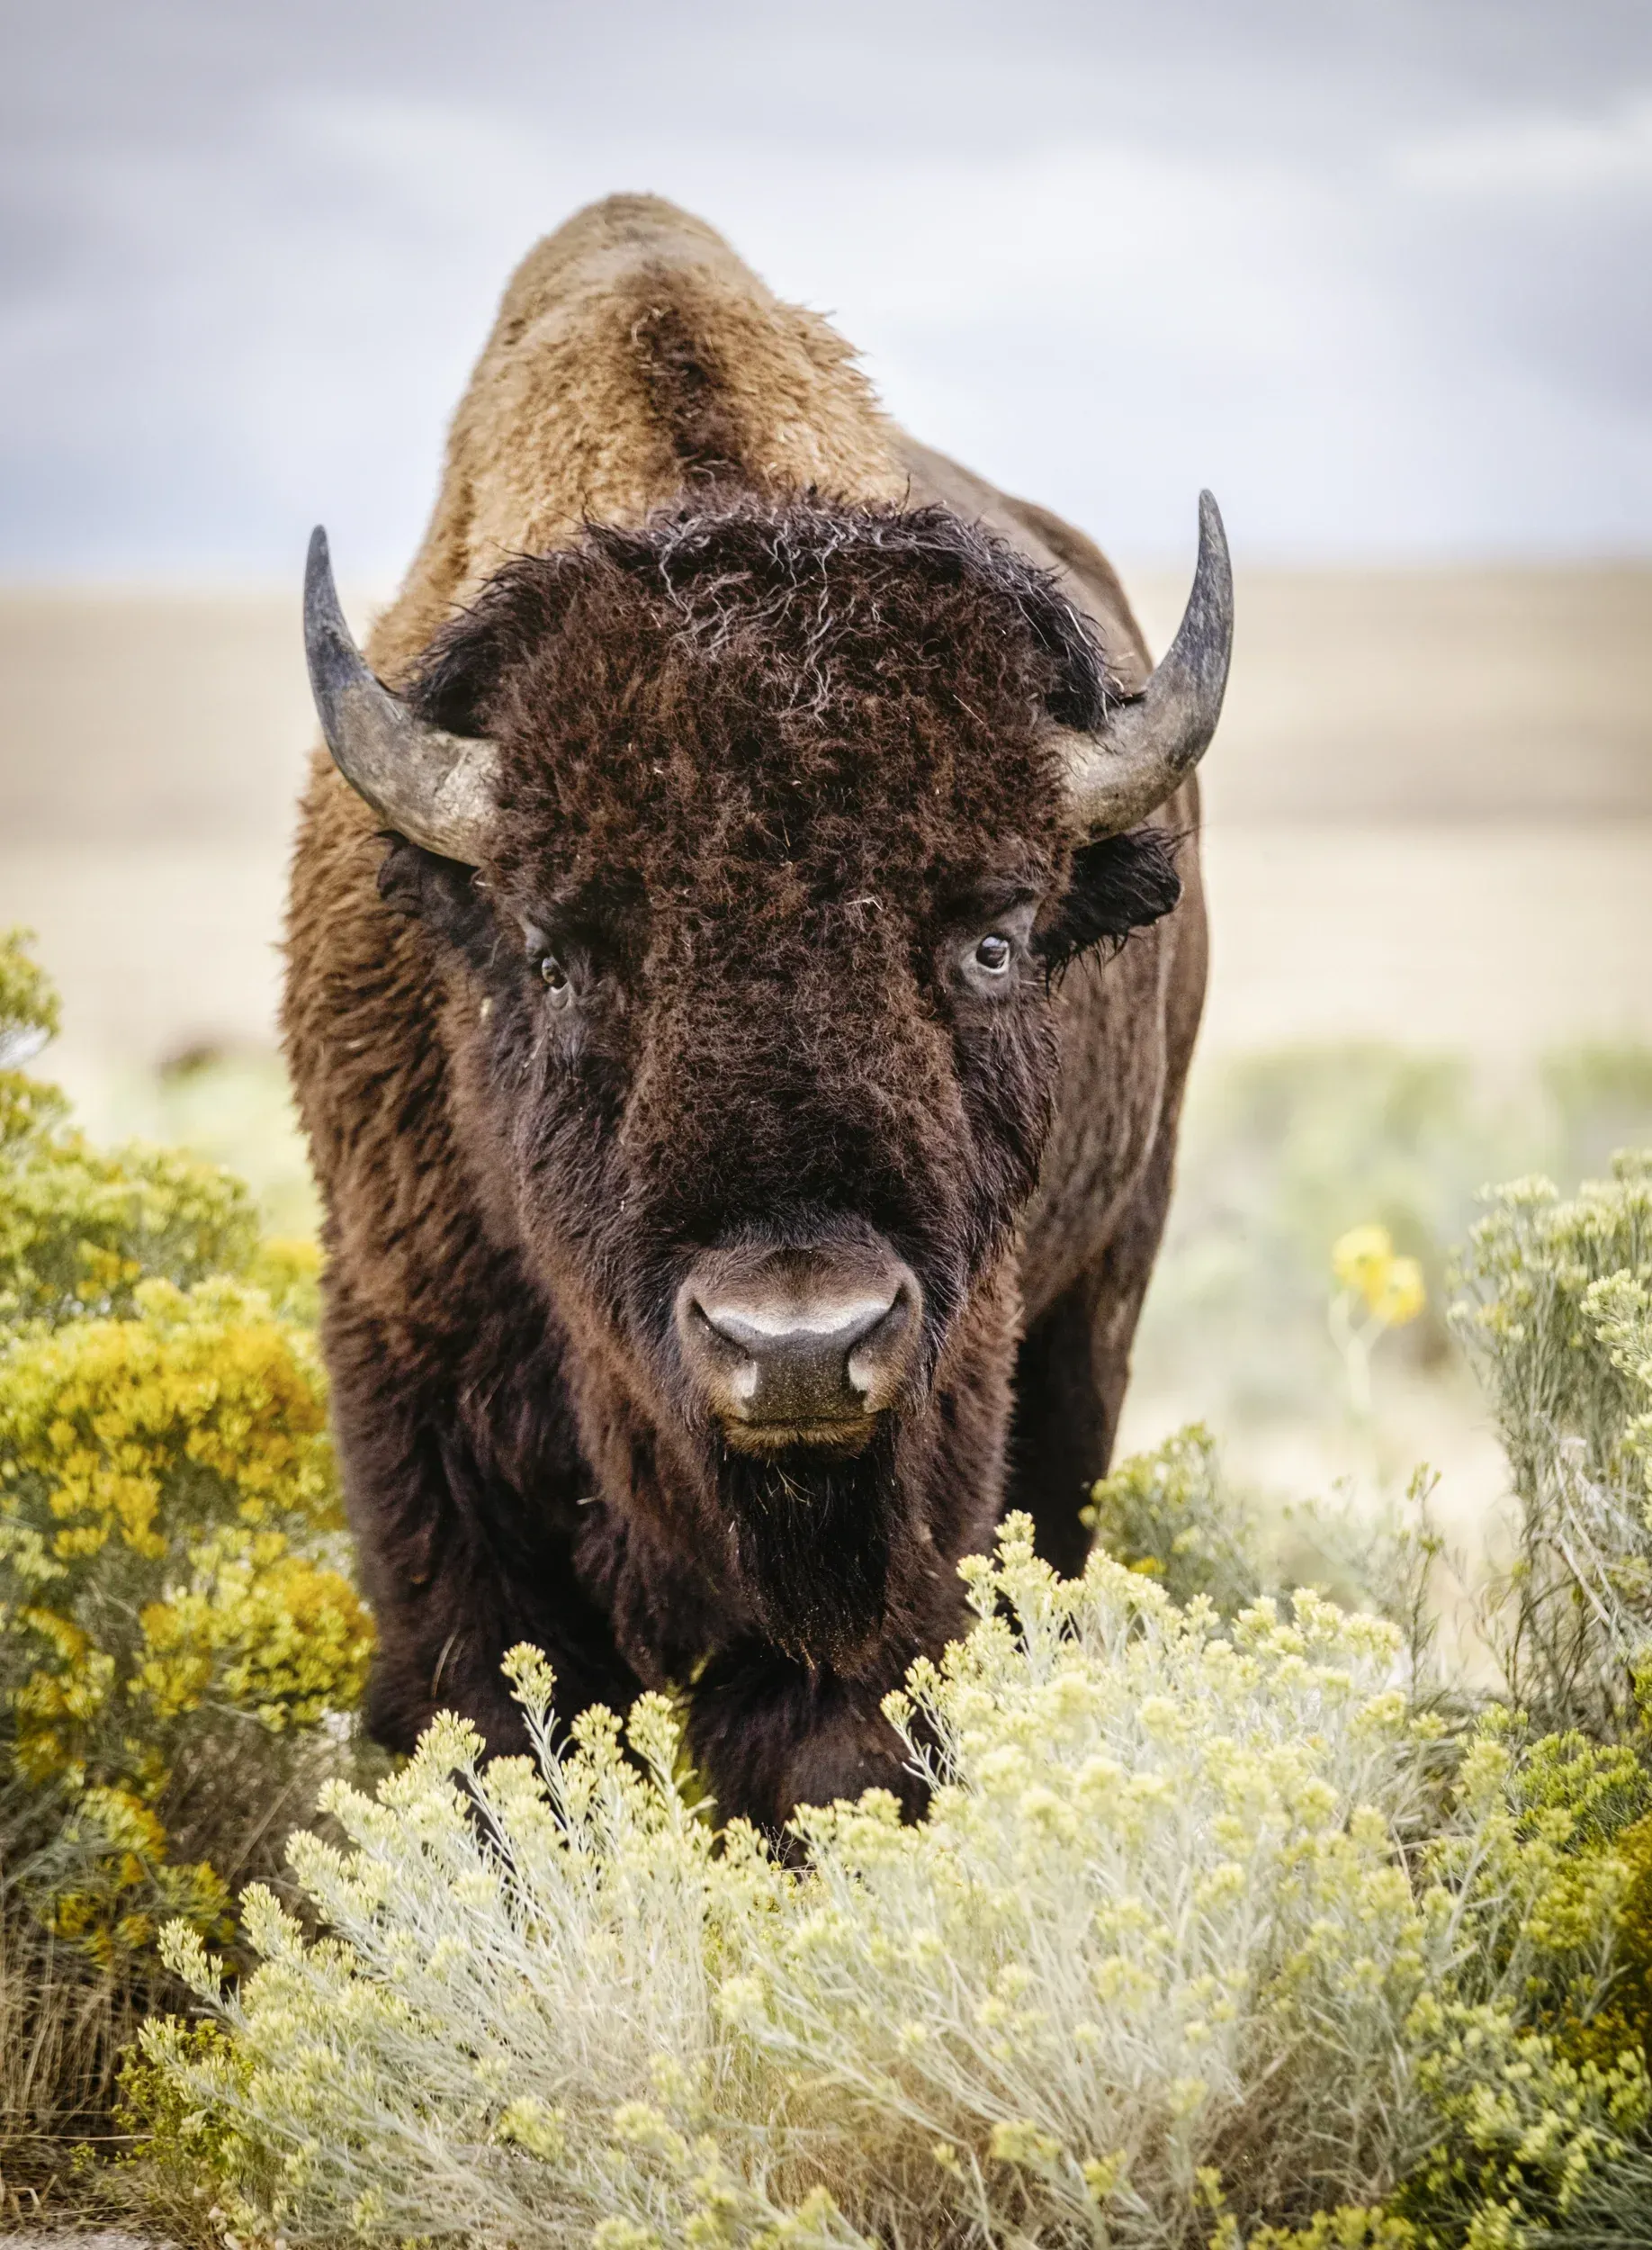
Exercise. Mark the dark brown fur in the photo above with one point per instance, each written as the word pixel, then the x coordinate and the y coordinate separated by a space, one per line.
pixel 769 760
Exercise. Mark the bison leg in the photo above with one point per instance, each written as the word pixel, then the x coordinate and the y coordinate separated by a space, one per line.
pixel 460 1558
pixel 442 1643
pixel 1071 1374
pixel 770 1734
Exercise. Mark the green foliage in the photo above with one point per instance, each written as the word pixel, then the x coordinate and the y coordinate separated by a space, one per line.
pixel 1218 1931
pixel 1282 1153
pixel 1599 1098
pixel 28 1010
pixel 231 1107
pixel 1203 1941
pixel 174 2153
pixel 80 1229
pixel 179 1637
pixel 1168 1515
pixel 1158 1969
pixel 1174 1515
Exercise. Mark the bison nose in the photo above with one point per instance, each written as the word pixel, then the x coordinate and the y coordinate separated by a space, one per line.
pixel 788 1350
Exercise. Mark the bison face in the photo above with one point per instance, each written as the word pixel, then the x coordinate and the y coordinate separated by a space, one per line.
pixel 750 1022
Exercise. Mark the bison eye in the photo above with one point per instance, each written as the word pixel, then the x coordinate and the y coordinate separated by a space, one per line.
pixel 986 963
pixel 558 984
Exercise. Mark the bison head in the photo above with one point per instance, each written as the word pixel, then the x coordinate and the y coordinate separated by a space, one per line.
pixel 752 840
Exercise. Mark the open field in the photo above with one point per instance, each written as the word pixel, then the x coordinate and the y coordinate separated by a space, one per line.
pixel 1429 809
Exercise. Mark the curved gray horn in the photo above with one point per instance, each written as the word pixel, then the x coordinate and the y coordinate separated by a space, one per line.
pixel 1148 746
pixel 433 787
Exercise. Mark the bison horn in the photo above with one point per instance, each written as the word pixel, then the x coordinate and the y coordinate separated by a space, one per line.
pixel 433 787
pixel 1147 745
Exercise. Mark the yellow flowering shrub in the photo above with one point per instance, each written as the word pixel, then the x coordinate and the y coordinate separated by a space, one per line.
pixel 180 1641
pixel 79 1228
pixel 167 1502
pixel 29 1014
pixel 176 1620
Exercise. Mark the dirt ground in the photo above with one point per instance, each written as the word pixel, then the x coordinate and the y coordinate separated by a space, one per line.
pixel 1429 809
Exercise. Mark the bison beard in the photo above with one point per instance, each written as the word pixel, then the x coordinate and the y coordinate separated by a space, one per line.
pixel 809 1540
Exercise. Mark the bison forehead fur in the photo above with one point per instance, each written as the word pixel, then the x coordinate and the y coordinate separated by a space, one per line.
pixel 769 762
pixel 668 695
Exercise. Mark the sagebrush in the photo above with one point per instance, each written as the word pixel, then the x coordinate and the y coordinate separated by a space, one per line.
pixel 1159 1965
pixel 1213 1933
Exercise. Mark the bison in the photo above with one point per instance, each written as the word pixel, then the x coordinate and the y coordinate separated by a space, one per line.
pixel 743 1132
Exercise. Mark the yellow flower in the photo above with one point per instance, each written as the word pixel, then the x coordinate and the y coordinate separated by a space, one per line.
pixel 1403 1295
pixel 1363 1261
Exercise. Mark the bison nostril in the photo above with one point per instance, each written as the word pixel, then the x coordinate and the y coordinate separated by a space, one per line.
pixel 884 1338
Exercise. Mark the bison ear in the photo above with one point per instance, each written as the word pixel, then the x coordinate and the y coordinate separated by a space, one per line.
pixel 1122 883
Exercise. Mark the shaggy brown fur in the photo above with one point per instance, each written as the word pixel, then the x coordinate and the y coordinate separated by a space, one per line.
pixel 773 691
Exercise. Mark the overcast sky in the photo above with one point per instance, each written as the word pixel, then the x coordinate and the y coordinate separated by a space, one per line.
pixel 1378 270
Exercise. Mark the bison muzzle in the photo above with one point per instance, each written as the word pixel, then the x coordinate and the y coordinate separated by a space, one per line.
pixel 799 1346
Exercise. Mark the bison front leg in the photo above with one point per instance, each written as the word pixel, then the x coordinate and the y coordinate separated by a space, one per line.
pixel 770 1734
pixel 442 1636
pixel 462 1553
pixel 1071 1372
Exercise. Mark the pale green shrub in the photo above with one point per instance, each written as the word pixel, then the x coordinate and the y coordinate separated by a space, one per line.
pixel 1202 1941
pixel 1555 1319
pixel 1170 1514
pixel 1152 1953
pixel 1151 1972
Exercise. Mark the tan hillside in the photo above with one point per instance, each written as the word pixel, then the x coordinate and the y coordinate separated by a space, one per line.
pixel 1430 808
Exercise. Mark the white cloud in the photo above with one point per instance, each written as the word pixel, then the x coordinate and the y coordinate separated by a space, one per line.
pixel 1537 153
pixel 262 306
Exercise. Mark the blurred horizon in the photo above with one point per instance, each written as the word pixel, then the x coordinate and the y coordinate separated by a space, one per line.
pixel 1375 275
